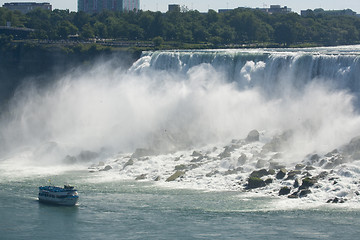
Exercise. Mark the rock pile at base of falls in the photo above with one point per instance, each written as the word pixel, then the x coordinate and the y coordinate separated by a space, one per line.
pixel 257 163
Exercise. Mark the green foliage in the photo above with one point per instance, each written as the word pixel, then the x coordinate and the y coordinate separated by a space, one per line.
pixel 236 27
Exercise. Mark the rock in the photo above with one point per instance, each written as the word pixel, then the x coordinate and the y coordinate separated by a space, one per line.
pixel 196 154
pixel 242 159
pixel 141 177
pixel 292 174
pixel 128 163
pixel 225 154
pixel 271 172
pixel 281 174
pixel 284 191
pixel 299 166
pixel 308 182
pixel 294 195
pixel 309 168
pixel 254 182
pixel 268 181
pixel 260 163
pixel 304 193
pixel 336 200
pixel 260 173
pixel 157 179
pixel 197 159
pixel 297 183
pixel 253 136
pixel 107 168
pixel 142 152
pixel 176 175
pixel 322 175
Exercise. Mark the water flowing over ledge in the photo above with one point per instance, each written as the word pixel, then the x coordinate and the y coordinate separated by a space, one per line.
pixel 185 115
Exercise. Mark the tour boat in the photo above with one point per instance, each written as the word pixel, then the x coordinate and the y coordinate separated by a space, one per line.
pixel 67 195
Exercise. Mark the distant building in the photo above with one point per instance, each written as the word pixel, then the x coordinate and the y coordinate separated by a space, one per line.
pixel 273 9
pixel 320 11
pixel 95 6
pixel 276 9
pixel 174 8
pixel 224 10
pixel 26 7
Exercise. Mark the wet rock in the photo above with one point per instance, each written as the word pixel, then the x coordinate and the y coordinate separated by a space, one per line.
pixel 281 174
pixel 141 177
pixel 304 193
pixel 176 175
pixel 260 173
pixel 157 179
pixel 292 174
pixel 268 181
pixel 284 191
pixel 142 152
pixel 294 195
pixel 253 136
pixel 308 182
pixel 199 159
pixel 254 182
pixel 242 159
pixel 271 172
pixel 322 175
pixel 299 166
pixel 197 154
pixel 336 200
pixel 128 163
pixel 297 183
pixel 309 168
pixel 107 168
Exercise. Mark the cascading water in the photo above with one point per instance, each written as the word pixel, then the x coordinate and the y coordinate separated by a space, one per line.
pixel 180 108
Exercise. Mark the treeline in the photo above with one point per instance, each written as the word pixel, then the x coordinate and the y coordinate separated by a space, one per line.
pixel 239 26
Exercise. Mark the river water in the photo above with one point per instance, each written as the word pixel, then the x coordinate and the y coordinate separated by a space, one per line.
pixel 142 210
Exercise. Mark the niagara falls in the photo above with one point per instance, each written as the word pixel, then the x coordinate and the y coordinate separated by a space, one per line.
pixel 261 130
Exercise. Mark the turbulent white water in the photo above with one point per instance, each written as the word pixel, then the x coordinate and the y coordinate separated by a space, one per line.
pixel 172 103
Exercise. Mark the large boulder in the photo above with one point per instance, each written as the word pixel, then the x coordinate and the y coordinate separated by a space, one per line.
pixel 281 174
pixel 253 136
pixel 176 175
pixel 260 173
pixel 284 191
pixel 254 182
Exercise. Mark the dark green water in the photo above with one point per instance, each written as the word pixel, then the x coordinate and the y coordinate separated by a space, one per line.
pixel 139 210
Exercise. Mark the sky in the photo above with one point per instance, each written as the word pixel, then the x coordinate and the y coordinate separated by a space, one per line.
pixel 204 5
